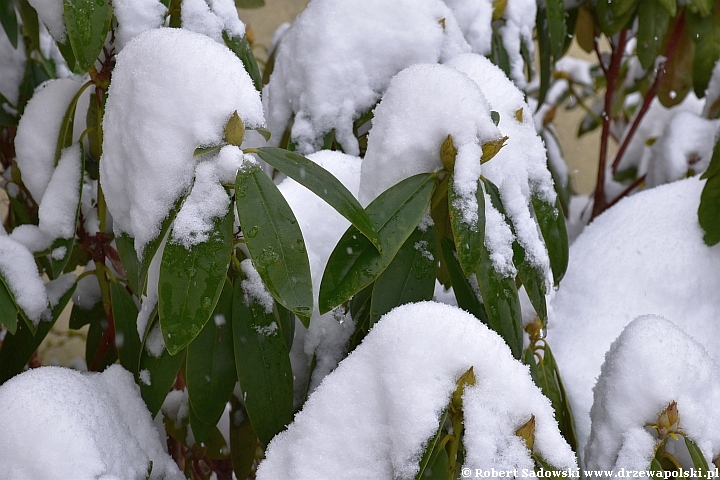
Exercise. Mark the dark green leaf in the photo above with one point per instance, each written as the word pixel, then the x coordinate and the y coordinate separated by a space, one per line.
pixel 162 372
pixel 464 294
pixel 705 32
pixel 431 447
pixel 127 340
pixel 355 263
pixel 323 184
pixel 201 430
pixel 8 20
pixel 552 226
pixel 611 22
pixel 243 441
pixel 468 239
pixel 210 365
pixel 499 54
pixel 93 344
pixel 128 257
pixel 263 367
pixel 656 467
pixel 152 246
pixel 249 4
pixel 274 240
pixel 410 277
pixel 8 310
pixel 87 23
pixel 286 321
pixel 79 317
pixel 18 348
pixel 709 209
pixel 653 21
pixel 670 6
pixel 621 8
pixel 697 457
pixel 30 325
pixel 701 7
pixel 541 21
pixel 241 48
pixel 190 283
pixel 556 26
pixel 66 50
pixel 678 78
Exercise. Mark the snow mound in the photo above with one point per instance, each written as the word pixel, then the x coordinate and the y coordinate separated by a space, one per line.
pixel 644 255
pixel 172 91
pixel 645 370
pixel 59 423
pixel 11 75
pixel 338 57
pixel 135 17
pixel 20 273
pixel 372 416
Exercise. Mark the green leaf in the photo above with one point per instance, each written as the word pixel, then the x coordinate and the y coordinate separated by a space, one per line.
pixel 656 467
pixel 8 310
pixel 30 325
pixel 410 277
pixel 431 447
pixel 468 239
pixel 611 22
pixel 274 240
pixel 286 321
pixel 552 226
pixel 323 184
pixel 66 50
pixel 653 21
pixel 621 8
pixel 18 348
pixel 210 365
pixel 127 340
pixel 65 135
pixel 93 343
pixel 705 32
pixel 163 371
pixel 241 48
pixel 531 276
pixel 697 457
pixel 243 441
pixel 556 26
pixel 543 34
pixel 80 317
pixel 190 283
pixel 355 263
pixel 464 294
pixel 8 20
pixel 153 245
pixel 87 23
pixel 128 257
pixel 249 4
pixel 701 7
pixel 263 367
pixel 678 78
pixel 201 430
pixel 709 208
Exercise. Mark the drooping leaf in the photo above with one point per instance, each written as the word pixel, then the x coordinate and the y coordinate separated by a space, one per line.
pixel 705 32
pixel 162 372
pixel 468 239
pixel 190 283
pixel 552 226
pixel 8 21
pixel 127 340
pixel 678 78
pixel 8 310
pixel 201 430
pixel 210 364
pixel 241 48
pixel 17 349
pixel 87 23
pixel 95 342
pixel 697 457
pixel 709 208
pixel 274 240
pixel 153 245
pixel 243 441
pixel 464 294
pixel 355 263
pixel 263 367
pixel 431 449
pixel 653 21
pixel 611 22
pixel 323 184
pixel 128 257
pixel 556 26
pixel 286 321
pixel 65 135
pixel 410 277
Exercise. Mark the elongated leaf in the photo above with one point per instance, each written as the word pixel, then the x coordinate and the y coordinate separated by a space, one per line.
pixel 153 245
pixel 8 21
pixel 243 441
pixel 18 348
pixel 552 226
pixel 709 208
pixel 468 238
pixel 287 324
pixel 410 277
pixel 65 135
pixel 274 240
pixel 697 457
pixel 94 341
pixel 622 7
pixel 80 317
pixel 355 263
pixel 263 367
pixel 8 310
pixel 653 21
pixel 611 22
pixel 201 430
pixel 532 276
pixel 241 48
pixel 128 257
pixel 678 78
pixel 323 184
pixel 541 21
pixel 705 32
pixel 701 7
pixel 162 372
pixel 464 294
pixel 30 325
pixel 127 340
pixel 210 365
pixel 556 26
pixel 190 283
pixel 87 23
pixel 431 447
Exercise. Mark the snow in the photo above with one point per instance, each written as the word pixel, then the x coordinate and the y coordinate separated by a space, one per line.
pixel 172 91
pixel 145 377
pixel 13 71
pixel 686 144
pixel 58 208
pixel 18 270
pixel 498 240
pixel 392 389
pixel 59 424
pixel 59 287
pixel 645 255
pixel 154 343
pixel 38 130
pixel 135 17
pixel 712 94
pixel 87 293
pixel 338 57
pixel 421 107
pixel 636 385
pixel 254 287
pixel 31 237
pixel 51 12
pixel 474 19
pixel 211 18
pixel 578 70
pixel 321 226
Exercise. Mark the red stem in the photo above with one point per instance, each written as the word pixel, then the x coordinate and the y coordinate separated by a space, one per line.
pixel 627 191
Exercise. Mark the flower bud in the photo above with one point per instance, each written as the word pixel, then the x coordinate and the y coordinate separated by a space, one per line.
pixel 448 153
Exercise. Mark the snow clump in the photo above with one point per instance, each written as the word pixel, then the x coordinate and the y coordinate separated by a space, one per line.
pixel 397 382
pixel 212 18
pixel 135 17
pixel 338 57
